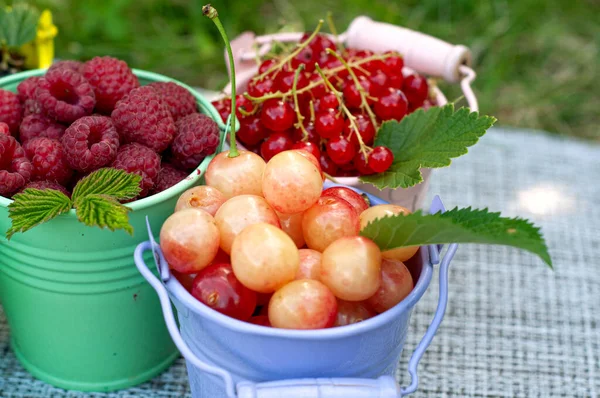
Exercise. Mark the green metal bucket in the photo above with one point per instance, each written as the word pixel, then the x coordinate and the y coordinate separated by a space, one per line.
pixel 81 316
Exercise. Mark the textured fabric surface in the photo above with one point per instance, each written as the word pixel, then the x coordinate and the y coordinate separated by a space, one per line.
pixel 513 327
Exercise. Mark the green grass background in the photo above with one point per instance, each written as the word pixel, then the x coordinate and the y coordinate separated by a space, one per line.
pixel 537 61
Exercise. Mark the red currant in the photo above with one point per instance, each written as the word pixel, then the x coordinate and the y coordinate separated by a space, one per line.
pixel 308 147
pixel 362 164
pixel 380 159
pixel 266 65
pixel 326 102
pixel 329 124
pixel 327 164
pixel 223 106
pixel 395 81
pixel 332 62
pixel 319 90
pixel 341 150
pixel 258 88
pixel 352 94
pixel 306 57
pixel 298 134
pixel 277 115
pixel 416 89
pixel 392 105
pixel 285 81
pixel 393 65
pixel 365 129
pixel 244 103
pixel 251 130
pixel 217 287
pixel 319 43
pixel 277 142
pixel 379 83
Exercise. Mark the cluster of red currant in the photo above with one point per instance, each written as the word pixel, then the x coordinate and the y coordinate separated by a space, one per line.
pixel 329 101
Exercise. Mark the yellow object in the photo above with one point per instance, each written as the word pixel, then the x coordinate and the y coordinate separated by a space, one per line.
pixel 40 52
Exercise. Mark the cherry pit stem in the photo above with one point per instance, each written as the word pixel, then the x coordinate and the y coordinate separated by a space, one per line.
pixel 211 12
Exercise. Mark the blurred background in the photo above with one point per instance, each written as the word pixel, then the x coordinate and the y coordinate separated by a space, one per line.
pixel 537 61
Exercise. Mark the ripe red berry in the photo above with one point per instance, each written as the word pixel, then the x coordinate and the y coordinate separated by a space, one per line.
pixel 308 147
pixel 379 83
pixel 4 129
pixel 327 165
pixel 298 134
pixel 10 110
pixel 319 43
pixel 380 159
pixel 351 93
pixel 416 89
pixel 277 142
pixel 395 81
pixel 393 65
pixel 306 57
pixel 341 150
pixel 258 88
pixel 223 106
pixel 266 65
pixel 277 115
pixel 112 80
pixel 329 124
pixel 48 159
pixel 319 90
pixel 362 164
pixel 15 168
pixel 251 130
pixel 244 103
pixel 392 105
pixel 326 102
pixel 177 98
pixel 365 129
pixel 285 81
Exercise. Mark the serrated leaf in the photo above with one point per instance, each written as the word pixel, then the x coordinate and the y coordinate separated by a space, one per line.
pixel 456 226
pixel 19 25
pixel 103 211
pixel 33 207
pixel 108 181
pixel 426 139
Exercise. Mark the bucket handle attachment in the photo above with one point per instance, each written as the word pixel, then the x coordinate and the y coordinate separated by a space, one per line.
pixel 382 387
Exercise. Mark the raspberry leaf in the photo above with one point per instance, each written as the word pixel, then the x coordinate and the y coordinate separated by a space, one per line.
pixel 34 206
pixel 103 211
pixel 426 139
pixel 108 181
pixel 456 226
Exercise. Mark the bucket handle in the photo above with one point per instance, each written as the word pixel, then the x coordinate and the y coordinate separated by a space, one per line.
pixel 382 387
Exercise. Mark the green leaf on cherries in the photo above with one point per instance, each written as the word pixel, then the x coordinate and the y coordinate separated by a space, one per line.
pixel 33 206
pixel 456 226
pixel 108 181
pixel 103 211
pixel 426 139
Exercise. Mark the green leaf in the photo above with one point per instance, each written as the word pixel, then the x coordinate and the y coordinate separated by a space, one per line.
pixel 456 226
pixel 33 207
pixel 426 139
pixel 19 25
pixel 103 211
pixel 111 182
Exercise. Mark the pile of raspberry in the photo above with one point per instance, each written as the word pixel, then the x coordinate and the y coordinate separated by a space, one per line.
pixel 80 117
pixel 337 122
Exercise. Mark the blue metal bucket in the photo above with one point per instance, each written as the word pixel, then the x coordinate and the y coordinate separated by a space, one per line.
pixel 234 359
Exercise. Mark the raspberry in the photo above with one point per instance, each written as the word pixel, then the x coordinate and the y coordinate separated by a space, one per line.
pixel 112 80
pixel 90 143
pixel 47 185
pixel 15 169
pixel 65 95
pixel 31 107
pixel 26 89
pixel 10 110
pixel 4 129
pixel 197 137
pixel 143 117
pixel 34 126
pixel 48 160
pixel 167 177
pixel 139 159
pixel 74 66
pixel 178 99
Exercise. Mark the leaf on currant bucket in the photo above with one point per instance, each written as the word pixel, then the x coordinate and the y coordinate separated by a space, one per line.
pixel 103 211
pixel 426 139
pixel 108 181
pixel 456 226
pixel 33 206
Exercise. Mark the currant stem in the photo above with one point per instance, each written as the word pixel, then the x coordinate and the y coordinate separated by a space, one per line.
pixel 333 30
pixel 364 105
pixel 346 111
pixel 285 60
pixel 211 12
pixel 300 123
pixel 312 110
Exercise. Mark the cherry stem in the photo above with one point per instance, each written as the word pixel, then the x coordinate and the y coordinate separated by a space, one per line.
pixel 349 115
pixel 300 123
pixel 364 105
pixel 211 12
pixel 286 59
